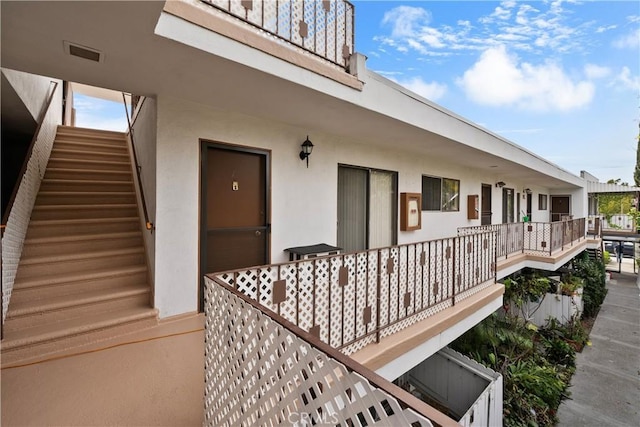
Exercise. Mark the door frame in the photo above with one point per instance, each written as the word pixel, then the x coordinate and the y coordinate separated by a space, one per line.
pixel 368 200
pixel 558 196
pixel 483 214
pixel 506 213
pixel 205 144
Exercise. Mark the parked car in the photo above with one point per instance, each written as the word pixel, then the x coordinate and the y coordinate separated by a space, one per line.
pixel 628 250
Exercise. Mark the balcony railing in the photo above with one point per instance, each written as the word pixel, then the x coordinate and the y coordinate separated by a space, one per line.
pixel 322 27
pixel 352 300
pixel 262 370
pixel 621 223
pixel 534 238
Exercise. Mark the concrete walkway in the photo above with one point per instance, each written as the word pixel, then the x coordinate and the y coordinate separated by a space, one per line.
pixel 605 390
pixel 154 377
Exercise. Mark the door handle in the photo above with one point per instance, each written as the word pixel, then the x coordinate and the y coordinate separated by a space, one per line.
pixel 258 233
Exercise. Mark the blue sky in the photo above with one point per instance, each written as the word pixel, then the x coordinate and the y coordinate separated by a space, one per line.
pixel 560 78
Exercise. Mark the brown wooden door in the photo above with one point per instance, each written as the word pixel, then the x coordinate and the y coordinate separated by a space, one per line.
pixel 559 207
pixel 485 216
pixel 235 218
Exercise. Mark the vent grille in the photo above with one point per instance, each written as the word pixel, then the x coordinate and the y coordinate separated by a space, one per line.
pixel 84 52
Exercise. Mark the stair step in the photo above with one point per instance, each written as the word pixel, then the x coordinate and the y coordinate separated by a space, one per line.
pixel 73 131
pixel 66 163
pixel 61 308
pixel 85 185
pixel 62 227
pixel 51 212
pixel 119 147
pixel 30 314
pixel 87 174
pixel 50 338
pixel 67 244
pixel 66 153
pixel 53 285
pixel 44 266
pixel 85 197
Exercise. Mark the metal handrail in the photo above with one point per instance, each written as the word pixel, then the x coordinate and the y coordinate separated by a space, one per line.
pixel 532 237
pixel 23 170
pixel 27 156
pixel 148 224
pixel 411 279
pixel 281 24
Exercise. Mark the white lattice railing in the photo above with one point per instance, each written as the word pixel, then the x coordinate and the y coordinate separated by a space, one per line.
pixel 536 238
pixel 24 197
pixel 323 27
pixel 262 370
pixel 351 300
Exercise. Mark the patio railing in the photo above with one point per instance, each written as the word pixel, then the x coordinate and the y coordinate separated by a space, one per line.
pixel 351 300
pixel 621 223
pixel 322 27
pixel 535 238
pixel 262 370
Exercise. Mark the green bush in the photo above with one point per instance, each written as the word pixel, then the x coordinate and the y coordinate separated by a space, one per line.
pixel 536 365
pixel 593 275
pixel 607 257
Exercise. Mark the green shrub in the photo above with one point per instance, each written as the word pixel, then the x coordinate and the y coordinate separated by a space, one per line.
pixel 593 275
pixel 607 257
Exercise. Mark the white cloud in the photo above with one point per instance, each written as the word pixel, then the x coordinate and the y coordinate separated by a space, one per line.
pixel 500 79
pixel 546 29
pixel 607 28
pixel 95 113
pixel 432 91
pixel 405 19
pixel 628 41
pixel 626 80
pixel 593 71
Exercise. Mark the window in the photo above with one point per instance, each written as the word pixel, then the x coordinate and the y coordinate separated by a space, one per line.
pixel 440 194
pixel 542 202
pixel 507 205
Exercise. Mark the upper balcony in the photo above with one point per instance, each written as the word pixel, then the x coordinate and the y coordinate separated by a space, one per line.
pixel 324 28
pixel 616 227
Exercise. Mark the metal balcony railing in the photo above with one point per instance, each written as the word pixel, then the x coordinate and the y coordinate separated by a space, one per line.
pixel 262 370
pixel 352 300
pixel 621 223
pixel 322 27
pixel 535 238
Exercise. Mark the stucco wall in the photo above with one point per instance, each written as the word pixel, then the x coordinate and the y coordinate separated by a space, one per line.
pixel 303 201
pixel 144 131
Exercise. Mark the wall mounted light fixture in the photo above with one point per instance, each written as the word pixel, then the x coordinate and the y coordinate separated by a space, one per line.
pixel 527 190
pixel 307 148
pixel 500 184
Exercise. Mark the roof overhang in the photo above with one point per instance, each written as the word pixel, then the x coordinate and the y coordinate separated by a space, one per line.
pixel 150 52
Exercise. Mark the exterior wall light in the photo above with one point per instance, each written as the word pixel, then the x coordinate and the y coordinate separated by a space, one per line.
pixel 500 184
pixel 307 148
pixel 527 190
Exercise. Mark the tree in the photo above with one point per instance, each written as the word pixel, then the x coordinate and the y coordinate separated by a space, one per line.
pixel 615 203
pixel 636 172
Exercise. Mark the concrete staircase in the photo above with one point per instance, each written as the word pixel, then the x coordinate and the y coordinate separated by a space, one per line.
pixel 83 273
pixel 595 254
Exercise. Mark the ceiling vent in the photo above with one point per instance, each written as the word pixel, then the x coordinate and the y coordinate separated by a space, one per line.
pixel 84 52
